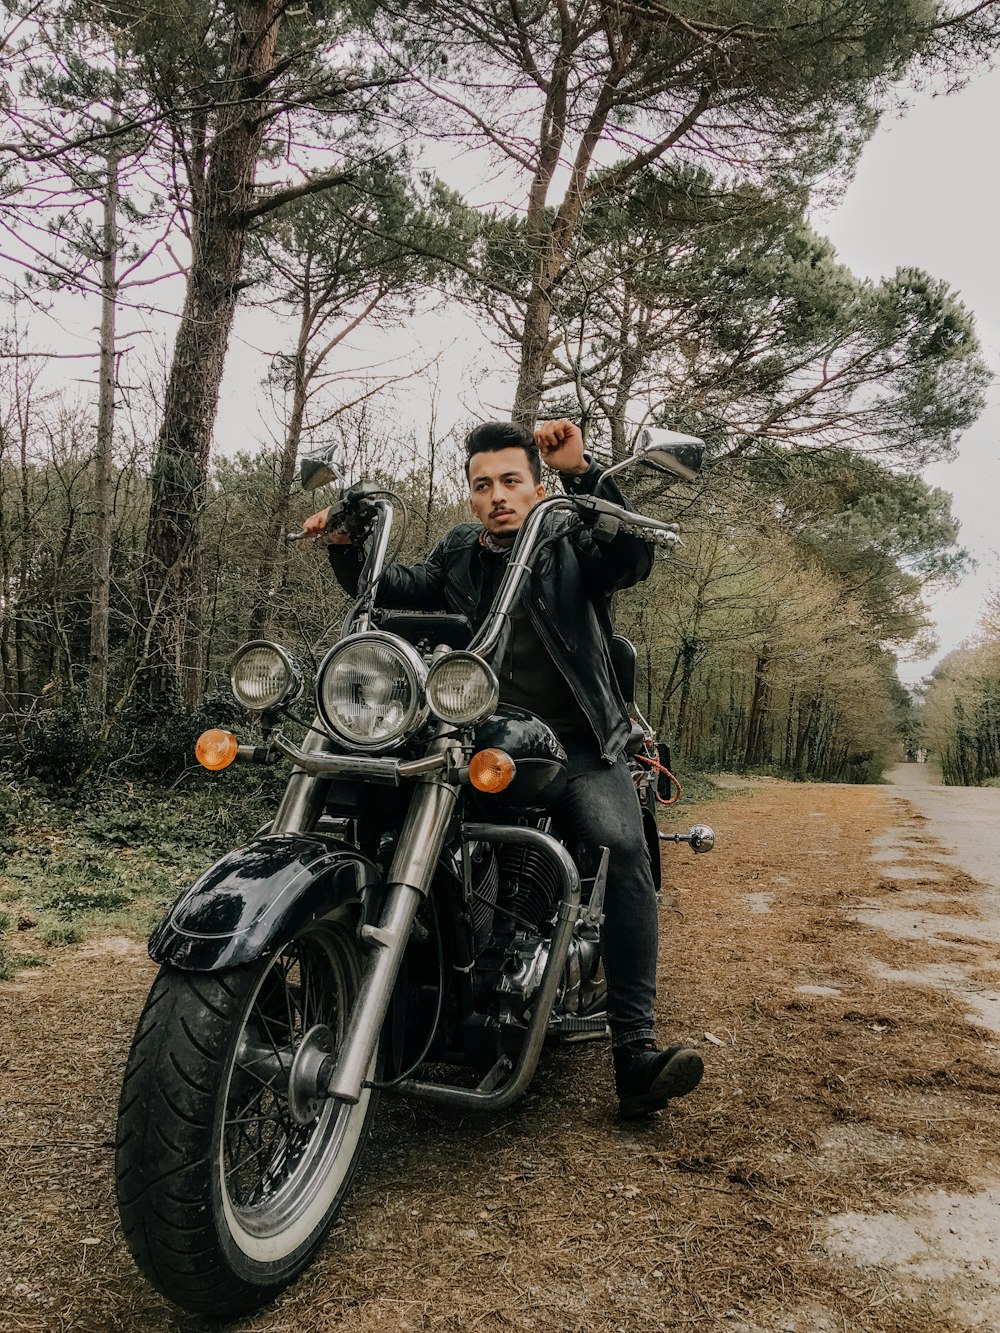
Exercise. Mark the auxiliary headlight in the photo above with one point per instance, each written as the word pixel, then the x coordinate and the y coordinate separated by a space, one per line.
pixel 264 676
pixel 370 690
pixel 462 689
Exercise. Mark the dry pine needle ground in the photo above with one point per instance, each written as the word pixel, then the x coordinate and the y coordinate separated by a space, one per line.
pixel 554 1216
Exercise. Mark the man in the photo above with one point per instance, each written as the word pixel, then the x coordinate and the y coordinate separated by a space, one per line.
pixel 556 664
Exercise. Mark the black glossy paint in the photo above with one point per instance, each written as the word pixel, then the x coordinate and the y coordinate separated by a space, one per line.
pixel 257 897
pixel 535 749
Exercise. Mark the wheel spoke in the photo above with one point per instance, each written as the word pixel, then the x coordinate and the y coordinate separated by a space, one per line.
pixel 308 982
pixel 288 1001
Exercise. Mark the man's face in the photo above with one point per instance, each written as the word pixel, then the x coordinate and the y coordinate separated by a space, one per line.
pixel 502 491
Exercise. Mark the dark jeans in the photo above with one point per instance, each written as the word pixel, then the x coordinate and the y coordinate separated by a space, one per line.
pixel 600 809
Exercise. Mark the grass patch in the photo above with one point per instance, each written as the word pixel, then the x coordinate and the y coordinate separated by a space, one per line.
pixel 696 789
pixel 80 901
pixel 118 858
pixel 58 936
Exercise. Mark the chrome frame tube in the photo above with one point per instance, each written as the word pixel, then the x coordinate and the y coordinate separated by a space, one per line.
pixel 365 768
pixel 374 564
pixel 486 1097
pixel 518 569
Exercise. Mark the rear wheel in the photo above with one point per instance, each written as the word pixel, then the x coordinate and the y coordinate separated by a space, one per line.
pixel 651 834
pixel 224 1196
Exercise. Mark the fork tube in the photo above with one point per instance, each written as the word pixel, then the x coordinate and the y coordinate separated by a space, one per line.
pixel 410 877
pixel 304 796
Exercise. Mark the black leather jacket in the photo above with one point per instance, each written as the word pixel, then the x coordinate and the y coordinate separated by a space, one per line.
pixel 568 599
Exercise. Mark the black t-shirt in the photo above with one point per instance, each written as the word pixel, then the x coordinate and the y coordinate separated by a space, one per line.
pixel 529 678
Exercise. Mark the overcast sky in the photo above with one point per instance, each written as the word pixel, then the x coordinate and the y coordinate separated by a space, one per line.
pixel 927 194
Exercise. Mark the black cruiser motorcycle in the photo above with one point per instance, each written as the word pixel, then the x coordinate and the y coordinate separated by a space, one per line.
pixel 409 909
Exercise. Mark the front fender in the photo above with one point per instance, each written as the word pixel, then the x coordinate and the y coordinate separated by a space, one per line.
pixel 256 897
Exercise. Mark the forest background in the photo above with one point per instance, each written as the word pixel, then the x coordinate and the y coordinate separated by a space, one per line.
pixel 619 195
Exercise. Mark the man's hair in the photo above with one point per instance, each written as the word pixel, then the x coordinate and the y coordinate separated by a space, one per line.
pixel 493 436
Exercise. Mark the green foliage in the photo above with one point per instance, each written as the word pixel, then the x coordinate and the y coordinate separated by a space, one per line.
pixel 883 534
pixel 116 856
pixel 961 712
pixel 79 901
pixel 64 744
pixel 61 936
pixel 718 308
pixel 755 658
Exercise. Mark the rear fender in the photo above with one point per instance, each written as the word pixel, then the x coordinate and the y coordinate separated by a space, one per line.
pixel 257 897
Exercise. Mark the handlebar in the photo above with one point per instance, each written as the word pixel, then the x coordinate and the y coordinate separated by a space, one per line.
pixel 355 511
pixel 363 507
pixel 606 520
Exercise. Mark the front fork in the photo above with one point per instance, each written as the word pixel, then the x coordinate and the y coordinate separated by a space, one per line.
pixel 410 876
pixel 317 1072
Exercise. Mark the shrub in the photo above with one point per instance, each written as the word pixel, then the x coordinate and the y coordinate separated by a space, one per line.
pixel 63 743
pixel 58 937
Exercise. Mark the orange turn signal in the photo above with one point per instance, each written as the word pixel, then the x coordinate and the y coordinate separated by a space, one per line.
pixel 216 749
pixel 491 770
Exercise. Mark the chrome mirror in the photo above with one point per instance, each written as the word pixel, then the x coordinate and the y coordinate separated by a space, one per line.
pixel 323 467
pixel 670 450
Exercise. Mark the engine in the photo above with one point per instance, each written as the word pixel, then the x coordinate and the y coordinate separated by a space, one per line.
pixel 513 955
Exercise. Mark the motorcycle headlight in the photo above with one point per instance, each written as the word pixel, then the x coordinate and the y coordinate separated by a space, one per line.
pixel 462 689
pixel 370 690
pixel 264 676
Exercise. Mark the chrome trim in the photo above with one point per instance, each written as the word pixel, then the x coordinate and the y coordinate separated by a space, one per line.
pixel 412 660
pixel 321 763
pixel 410 876
pixel 296 682
pixel 375 563
pixel 304 796
pixel 484 643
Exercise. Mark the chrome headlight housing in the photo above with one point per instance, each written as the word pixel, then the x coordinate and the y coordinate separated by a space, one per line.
pixel 370 690
pixel 264 676
pixel 462 689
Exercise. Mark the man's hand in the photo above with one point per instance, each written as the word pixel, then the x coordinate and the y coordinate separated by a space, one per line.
pixel 315 526
pixel 561 446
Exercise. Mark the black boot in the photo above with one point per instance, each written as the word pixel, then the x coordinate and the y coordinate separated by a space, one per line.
pixel 646 1077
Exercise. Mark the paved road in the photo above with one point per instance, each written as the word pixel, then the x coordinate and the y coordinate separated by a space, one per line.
pixel 965 819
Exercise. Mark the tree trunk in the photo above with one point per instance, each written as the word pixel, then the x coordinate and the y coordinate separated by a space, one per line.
pixel 172 651
pixel 262 612
pixel 689 658
pixel 758 712
pixel 536 349
pixel 97 684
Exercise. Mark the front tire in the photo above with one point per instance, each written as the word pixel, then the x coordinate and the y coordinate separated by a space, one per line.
pixel 223 1197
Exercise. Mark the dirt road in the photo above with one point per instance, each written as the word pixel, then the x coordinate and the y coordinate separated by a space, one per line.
pixel 836 1170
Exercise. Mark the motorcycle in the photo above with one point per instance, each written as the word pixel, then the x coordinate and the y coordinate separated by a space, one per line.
pixel 409 908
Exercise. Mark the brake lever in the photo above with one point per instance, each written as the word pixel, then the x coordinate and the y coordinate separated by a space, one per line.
pixel 352 513
pixel 604 520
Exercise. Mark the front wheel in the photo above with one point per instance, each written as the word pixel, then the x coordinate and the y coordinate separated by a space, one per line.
pixel 223 1196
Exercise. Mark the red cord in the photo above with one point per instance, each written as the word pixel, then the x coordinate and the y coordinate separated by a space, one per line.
pixel 657 767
